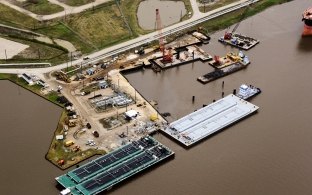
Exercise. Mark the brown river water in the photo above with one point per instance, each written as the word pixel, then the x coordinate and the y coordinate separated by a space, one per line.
pixel 267 153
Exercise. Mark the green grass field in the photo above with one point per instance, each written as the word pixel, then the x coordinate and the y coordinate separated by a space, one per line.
pixel 101 27
pixel 77 2
pixel 42 7
pixel 11 17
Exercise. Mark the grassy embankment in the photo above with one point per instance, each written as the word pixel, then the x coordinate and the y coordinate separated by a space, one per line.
pixel 57 150
pixel 46 52
pixel 36 52
pixel 93 29
pixel 77 2
pixel 215 5
pixel 42 7
pixel 229 19
pixel 103 26
pixel 52 97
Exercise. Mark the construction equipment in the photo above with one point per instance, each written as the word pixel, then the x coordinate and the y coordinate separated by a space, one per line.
pixel 141 51
pixel 228 35
pixel 62 76
pixel 234 57
pixel 216 60
pixel 167 54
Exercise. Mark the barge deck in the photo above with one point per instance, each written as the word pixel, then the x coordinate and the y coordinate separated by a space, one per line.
pixel 183 56
pixel 210 119
pixel 218 73
pixel 110 169
pixel 240 41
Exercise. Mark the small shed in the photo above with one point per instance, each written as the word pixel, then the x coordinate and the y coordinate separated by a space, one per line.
pixel 59 137
pixel 27 78
pixel 131 114
pixel 90 71
pixel 103 84
pixel 42 83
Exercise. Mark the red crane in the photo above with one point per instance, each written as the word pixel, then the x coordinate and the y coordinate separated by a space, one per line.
pixel 228 35
pixel 167 55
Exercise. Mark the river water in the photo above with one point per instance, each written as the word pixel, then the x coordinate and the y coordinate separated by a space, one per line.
pixel 267 153
pixel 27 123
pixel 170 12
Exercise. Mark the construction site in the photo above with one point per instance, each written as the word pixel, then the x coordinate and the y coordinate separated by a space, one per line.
pixel 130 98
pixel 105 112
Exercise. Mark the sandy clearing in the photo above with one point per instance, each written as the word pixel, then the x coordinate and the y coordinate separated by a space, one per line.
pixel 11 48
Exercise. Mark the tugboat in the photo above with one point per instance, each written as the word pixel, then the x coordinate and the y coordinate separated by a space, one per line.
pixel 246 92
pixel 307 18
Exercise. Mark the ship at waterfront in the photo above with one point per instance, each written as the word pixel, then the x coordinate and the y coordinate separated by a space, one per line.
pixel 307 19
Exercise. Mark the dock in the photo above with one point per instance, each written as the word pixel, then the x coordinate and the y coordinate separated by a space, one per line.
pixel 218 73
pixel 239 41
pixel 110 169
pixel 210 119
pixel 183 55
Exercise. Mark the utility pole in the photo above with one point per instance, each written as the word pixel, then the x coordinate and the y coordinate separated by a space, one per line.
pixel 71 58
pixel 6 57
pixel 181 16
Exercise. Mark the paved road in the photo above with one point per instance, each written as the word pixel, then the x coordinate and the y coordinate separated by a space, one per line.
pixel 67 9
pixel 116 49
pixel 195 8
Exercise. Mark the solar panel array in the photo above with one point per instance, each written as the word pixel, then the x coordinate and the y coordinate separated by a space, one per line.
pixel 114 167
pixel 88 170
pixel 119 172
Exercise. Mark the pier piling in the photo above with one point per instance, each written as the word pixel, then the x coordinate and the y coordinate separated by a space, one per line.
pixel 234 91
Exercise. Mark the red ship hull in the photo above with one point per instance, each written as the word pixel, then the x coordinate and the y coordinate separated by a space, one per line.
pixel 307 19
pixel 307 30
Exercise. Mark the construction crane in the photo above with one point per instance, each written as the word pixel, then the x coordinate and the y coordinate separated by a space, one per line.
pixel 166 53
pixel 228 35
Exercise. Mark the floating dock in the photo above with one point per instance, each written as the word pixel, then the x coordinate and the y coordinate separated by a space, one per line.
pixel 218 73
pixel 230 59
pixel 240 41
pixel 110 169
pixel 183 56
pixel 212 118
